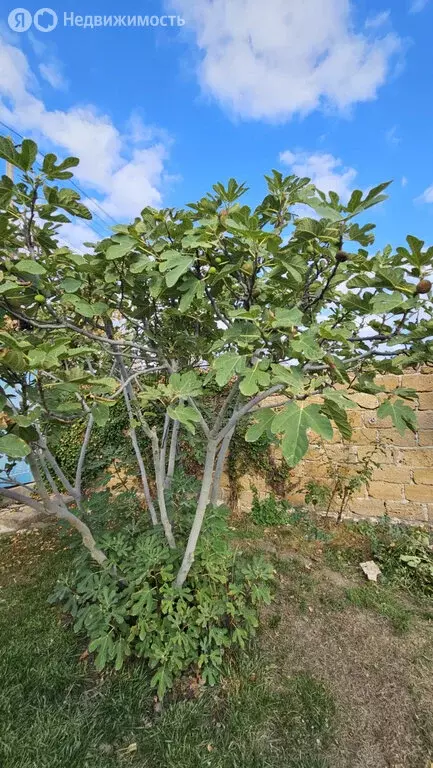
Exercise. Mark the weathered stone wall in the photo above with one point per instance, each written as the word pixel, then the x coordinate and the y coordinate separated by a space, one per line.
pixel 401 487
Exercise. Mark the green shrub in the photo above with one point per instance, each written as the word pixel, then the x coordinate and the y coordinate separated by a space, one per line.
pixel 132 608
pixel 404 554
pixel 270 510
pixel 306 523
pixel 317 494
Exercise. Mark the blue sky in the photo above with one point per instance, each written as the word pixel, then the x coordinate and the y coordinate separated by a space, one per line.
pixel 333 89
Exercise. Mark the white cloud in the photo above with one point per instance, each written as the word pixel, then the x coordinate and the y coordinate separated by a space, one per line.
pixel 374 22
pixel 272 60
pixel 50 68
pixel 76 233
pixel 127 172
pixel 403 181
pixel 16 75
pixel 427 195
pixel 136 183
pixel 392 136
pixel 417 5
pixel 52 74
pixel 325 171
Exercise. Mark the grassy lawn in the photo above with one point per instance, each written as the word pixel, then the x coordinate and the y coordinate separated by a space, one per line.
pixel 340 676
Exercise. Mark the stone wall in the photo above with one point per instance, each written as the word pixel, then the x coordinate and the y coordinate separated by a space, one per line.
pixel 402 486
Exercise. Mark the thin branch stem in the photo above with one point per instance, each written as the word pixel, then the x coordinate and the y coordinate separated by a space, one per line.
pixel 61 323
pixel 20 498
pixel 202 421
pixel 135 376
pixel 246 409
pixel 82 457
pixel 234 389
pixel 202 503
pixel 158 456
pixel 222 454
pixel 128 396
pixel 223 319
pixel 172 455
pixel 55 466
pixel 163 451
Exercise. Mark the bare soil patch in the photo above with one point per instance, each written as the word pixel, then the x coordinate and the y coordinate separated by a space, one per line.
pixel 381 682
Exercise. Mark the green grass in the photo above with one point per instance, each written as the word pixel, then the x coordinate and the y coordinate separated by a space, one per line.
pixel 380 600
pixel 342 559
pixel 57 712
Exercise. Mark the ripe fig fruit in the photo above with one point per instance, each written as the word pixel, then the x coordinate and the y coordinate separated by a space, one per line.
pixel 424 286
pixel 341 256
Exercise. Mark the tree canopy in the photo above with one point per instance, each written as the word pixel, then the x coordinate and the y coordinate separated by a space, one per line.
pixel 288 297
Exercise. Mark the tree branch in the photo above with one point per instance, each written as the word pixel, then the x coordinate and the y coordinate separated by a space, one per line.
pixel 202 421
pixel 246 409
pixel 76 328
pixel 222 454
pixel 158 458
pixel 216 309
pixel 127 396
pixel 9 493
pixel 202 503
pixel 172 455
pixel 134 376
pixel 57 469
pixel 320 296
pixel 82 457
pixel 234 389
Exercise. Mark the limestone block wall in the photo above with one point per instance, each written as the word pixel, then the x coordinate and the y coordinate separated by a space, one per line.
pixel 402 486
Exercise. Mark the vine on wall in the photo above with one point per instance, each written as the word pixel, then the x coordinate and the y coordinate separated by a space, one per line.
pixel 256 459
pixel 105 448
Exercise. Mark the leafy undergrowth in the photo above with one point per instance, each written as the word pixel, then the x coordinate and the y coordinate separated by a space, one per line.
pixel 341 675
pixel 57 711
pixel 145 616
